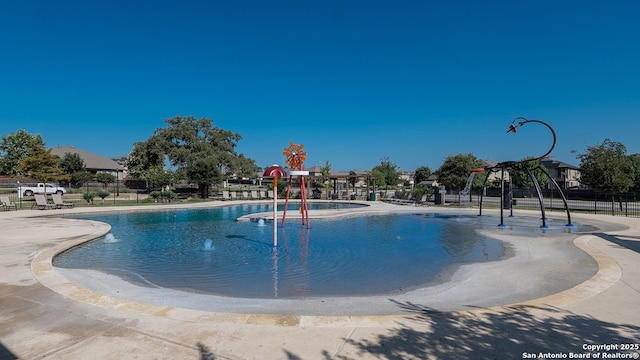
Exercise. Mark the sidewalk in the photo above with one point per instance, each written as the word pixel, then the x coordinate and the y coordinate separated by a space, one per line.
pixel 64 321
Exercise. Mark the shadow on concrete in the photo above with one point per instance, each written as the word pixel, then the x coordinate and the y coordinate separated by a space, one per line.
pixel 5 354
pixel 205 353
pixel 507 334
pixel 616 239
pixel 291 356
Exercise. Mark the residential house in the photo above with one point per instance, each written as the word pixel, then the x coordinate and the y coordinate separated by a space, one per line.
pixel 567 176
pixel 93 163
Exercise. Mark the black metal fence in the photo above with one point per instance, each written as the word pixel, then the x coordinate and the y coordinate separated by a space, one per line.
pixel 580 201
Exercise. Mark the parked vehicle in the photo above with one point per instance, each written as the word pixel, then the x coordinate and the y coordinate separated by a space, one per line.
pixel 42 188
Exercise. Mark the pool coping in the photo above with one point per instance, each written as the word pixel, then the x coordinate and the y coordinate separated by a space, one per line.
pixel 609 272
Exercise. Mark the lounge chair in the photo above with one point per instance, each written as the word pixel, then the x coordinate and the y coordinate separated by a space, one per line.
pixel 245 195
pixel 59 203
pixel 7 204
pixel 423 200
pixel 234 196
pixel 225 195
pixel 254 195
pixel 41 202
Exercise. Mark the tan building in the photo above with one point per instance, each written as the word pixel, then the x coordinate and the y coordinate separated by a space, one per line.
pixel 567 176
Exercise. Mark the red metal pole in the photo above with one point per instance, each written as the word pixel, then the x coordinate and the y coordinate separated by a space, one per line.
pixel 286 202
pixel 305 204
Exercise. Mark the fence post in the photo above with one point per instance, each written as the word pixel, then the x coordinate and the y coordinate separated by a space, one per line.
pixel 626 205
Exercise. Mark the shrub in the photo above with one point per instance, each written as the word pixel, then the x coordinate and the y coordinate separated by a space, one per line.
pixel 155 195
pixel 88 196
pixel 423 190
pixel 102 194
pixel 169 195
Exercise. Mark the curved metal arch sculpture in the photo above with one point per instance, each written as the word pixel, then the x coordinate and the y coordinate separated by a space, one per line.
pixel 524 165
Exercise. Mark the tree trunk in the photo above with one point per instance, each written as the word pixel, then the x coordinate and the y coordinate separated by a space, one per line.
pixel 204 190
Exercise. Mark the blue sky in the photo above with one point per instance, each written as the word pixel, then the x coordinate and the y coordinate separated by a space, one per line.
pixel 355 81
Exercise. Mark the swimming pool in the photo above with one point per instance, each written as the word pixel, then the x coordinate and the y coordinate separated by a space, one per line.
pixel 208 251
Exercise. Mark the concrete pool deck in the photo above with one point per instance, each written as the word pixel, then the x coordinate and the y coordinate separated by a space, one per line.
pixel 44 315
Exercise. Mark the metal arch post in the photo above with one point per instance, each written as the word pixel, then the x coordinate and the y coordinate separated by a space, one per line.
pixel 540 199
pixel 553 133
pixel 510 196
pixel 501 198
pixel 564 198
pixel 484 188
pixel 304 207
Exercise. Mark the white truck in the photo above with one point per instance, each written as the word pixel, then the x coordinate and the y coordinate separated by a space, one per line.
pixel 41 188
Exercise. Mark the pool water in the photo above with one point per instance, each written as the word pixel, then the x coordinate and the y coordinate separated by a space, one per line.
pixel 208 251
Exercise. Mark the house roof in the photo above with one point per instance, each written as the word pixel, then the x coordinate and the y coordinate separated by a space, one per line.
pixel 551 163
pixel 488 163
pixel 91 161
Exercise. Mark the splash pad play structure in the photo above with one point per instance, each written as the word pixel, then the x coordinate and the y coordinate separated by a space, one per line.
pixel 528 166
pixel 295 157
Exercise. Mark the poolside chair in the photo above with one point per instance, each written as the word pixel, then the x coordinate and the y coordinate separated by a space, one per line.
pixel 245 195
pixel 225 195
pixel 423 200
pixel 41 202
pixel 7 204
pixel 234 196
pixel 59 204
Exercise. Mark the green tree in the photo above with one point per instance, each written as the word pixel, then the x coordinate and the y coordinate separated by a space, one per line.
pixel 243 167
pixel 326 176
pixel 73 165
pixel 353 179
pixel 105 178
pixel 421 174
pixel 635 171
pixel 41 165
pixel 521 179
pixel 386 173
pixel 144 156
pixel 81 177
pixel 195 148
pixel 14 148
pixel 378 178
pixel 204 172
pixel 606 167
pixel 456 169
pixel 158 177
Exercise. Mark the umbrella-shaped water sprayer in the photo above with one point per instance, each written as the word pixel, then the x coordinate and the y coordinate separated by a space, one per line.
pixel 275 171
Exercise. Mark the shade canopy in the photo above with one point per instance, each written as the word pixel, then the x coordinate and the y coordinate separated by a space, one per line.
pixel 274 171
